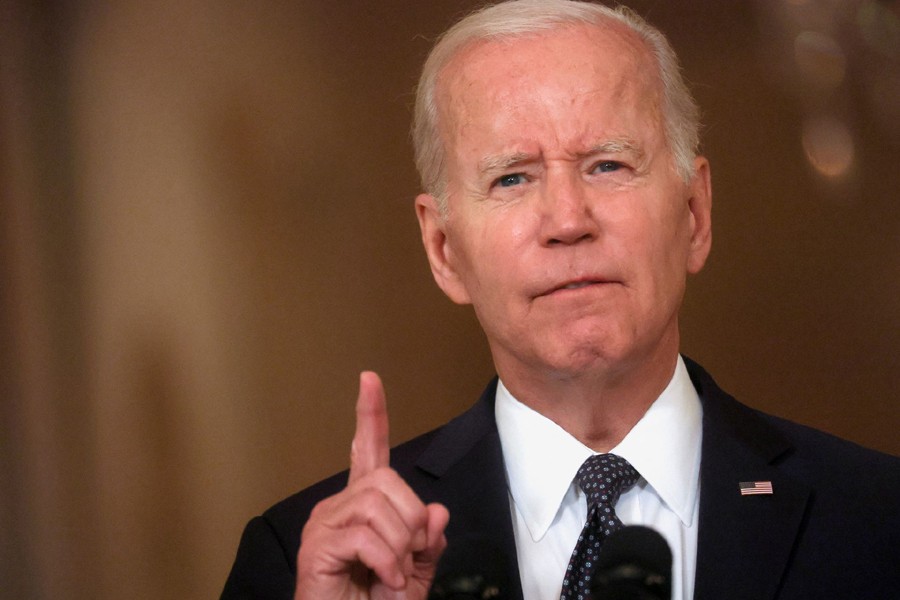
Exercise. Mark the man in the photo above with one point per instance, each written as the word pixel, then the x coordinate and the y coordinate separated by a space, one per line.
pixel 565 201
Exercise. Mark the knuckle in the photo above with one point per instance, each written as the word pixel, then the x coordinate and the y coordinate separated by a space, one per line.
pixel 368 497
pixel 324 507
pixel 384 476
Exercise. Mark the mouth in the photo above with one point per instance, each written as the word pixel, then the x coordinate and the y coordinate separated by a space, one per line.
pixel 578 285
pixel 574 285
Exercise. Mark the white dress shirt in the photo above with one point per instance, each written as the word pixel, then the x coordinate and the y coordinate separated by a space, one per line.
pixel 550 510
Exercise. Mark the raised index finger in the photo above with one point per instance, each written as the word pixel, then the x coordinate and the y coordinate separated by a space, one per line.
pixel 370 449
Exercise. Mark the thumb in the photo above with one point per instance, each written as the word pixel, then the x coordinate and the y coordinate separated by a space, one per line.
pixel 436 542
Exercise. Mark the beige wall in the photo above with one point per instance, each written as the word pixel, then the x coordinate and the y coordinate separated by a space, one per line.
pixel 207 231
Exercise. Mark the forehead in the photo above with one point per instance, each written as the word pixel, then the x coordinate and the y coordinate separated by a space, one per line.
pixel 564 76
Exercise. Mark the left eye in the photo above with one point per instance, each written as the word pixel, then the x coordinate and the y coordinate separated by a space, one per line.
pixel 607 166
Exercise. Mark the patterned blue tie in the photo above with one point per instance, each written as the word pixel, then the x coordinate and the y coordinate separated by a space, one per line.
pixel 602 477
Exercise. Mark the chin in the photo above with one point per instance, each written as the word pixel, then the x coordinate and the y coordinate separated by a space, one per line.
pixel 600 349
pixel 583 359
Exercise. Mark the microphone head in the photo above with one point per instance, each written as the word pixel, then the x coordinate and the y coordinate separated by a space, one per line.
pixel 635 563
pixel 472 568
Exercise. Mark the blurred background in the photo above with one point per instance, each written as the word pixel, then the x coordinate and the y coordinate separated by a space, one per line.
pixel 206 232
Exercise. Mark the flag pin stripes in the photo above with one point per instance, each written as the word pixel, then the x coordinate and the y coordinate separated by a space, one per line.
pixel 753 488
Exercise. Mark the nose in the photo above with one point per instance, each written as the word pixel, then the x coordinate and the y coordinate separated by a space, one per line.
pixel 566 213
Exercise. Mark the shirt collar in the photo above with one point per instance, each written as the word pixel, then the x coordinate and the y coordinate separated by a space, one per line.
pixel 542 458
pixel 664 446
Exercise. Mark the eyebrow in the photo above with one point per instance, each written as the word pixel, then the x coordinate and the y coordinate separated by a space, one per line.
pixel 502 162
pixel 617 146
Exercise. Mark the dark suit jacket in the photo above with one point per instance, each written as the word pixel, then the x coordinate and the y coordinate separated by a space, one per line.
pixel 831 529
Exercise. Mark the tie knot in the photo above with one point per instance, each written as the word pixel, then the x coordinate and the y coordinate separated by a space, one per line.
pixel 603 477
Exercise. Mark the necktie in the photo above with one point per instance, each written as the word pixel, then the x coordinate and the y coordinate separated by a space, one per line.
pixel 602 477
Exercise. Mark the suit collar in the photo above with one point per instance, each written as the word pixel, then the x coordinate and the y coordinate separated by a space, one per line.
pixel 460 436
pixel 744 542
pixel 466 460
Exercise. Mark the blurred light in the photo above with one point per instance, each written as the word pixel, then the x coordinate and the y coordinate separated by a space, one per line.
pixel 820 58
pixel 828 145
pixel 880 28
pixel 810 15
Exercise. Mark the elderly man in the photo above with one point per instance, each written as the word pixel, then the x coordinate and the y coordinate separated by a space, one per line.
pixel 565 201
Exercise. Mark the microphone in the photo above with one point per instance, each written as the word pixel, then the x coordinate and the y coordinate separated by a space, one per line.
pixel 635 563
pixel 471 569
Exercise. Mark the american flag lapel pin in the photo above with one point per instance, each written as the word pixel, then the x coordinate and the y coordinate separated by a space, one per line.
pixel 754 488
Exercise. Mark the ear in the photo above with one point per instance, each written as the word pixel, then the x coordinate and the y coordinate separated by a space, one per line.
pixel 700 207
pixel 438 247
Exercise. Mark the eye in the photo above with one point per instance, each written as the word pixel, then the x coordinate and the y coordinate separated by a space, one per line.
pixel 510 180
pixel 606 166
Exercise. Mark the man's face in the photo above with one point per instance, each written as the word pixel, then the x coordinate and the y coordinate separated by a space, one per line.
pixel 568 228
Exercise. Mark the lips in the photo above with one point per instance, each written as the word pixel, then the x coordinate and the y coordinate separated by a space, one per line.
pixel 575 284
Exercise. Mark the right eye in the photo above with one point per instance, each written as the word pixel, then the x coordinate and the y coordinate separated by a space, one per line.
pixel 510 180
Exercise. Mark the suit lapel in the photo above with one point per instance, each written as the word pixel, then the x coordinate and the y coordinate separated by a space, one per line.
pixel 466 461
pixel 744 541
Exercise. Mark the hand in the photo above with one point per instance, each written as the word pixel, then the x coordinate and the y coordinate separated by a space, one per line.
pixel 375 539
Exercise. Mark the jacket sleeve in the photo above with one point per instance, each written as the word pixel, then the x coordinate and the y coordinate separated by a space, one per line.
pixel 262 569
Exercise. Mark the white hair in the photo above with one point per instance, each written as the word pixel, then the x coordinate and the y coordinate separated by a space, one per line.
pixel 515 18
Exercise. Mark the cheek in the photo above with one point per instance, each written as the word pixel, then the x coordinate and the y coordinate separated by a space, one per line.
pixel 495 242
pixel 473 256
pixel 674 257
pixel 658 248
pixel 520 230
pixel 493 278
